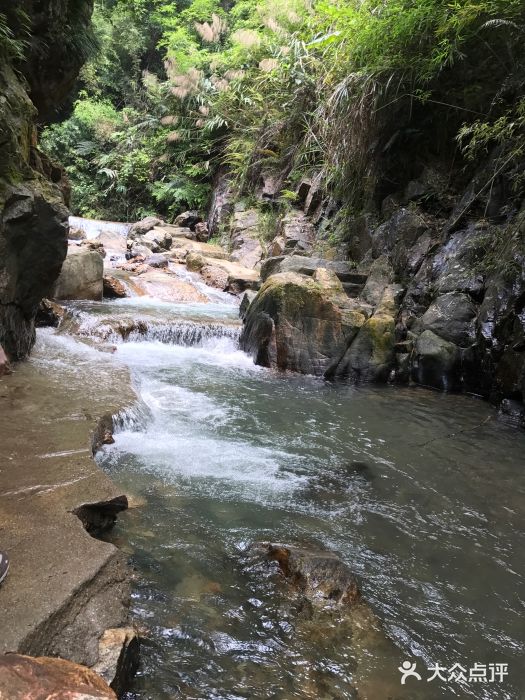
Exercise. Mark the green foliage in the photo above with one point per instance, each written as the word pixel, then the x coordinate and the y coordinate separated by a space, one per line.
pixel 331 87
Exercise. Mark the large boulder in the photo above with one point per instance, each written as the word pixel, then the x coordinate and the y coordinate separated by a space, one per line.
pixel 300 323
pixel 43 678
pixel 81 276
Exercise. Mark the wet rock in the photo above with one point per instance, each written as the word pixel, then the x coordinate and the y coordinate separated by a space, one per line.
pixel 165 286
pixel 5 367
pixel 49 314
pixel 214 276
pixel 43 678
pixel 455 267
pixel 81 276
pixel 142 227
pixel 182 247
pixel 119 652
pixel 437 362
pixel 402 229
pixel 320 575
pixel 157 260
pixel 371 356
pixel 113 288
pixel 453 317
pixel 513 412
pixel 246 300
pixel 98 518
pixel 301 324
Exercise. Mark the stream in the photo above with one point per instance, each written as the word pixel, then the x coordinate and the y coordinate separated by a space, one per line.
pixel 421 493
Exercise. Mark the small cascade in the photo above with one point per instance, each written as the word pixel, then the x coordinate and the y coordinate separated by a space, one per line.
pixel 116 329
pixel 92 228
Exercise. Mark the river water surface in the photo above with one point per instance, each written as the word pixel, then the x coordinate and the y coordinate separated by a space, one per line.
pixel 422 495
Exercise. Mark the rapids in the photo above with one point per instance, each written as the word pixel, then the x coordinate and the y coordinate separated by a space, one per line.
pixel 421 493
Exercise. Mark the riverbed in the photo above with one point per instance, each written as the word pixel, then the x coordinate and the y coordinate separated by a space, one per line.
pixel 421 493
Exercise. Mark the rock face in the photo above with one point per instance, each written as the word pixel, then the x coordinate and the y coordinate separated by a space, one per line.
pixel 245 238
pixel 24 677
pixel 33 192
pixel 81 276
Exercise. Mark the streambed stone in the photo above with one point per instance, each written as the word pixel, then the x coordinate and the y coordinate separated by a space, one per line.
pixel 43 678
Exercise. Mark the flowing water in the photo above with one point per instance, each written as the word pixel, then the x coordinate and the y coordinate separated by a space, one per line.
pixel 421 494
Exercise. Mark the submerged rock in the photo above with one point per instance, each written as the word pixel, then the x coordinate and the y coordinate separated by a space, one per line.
pixel 43 678
pixel 320 575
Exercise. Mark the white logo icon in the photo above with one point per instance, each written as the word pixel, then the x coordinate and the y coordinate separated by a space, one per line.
pixel 408 670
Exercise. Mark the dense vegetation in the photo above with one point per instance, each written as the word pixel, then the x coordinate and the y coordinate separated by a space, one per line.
pixel 342 88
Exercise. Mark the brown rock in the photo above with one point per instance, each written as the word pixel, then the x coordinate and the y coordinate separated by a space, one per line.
pixel 321 576
pixel 114 288
pixel 46 678
pixel 119 651
pixel 49 314
pixel 201 232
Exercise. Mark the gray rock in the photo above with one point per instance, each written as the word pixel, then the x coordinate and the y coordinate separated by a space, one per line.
pixel 141 227
pixel 307 266
pixel 157 260
pixel 297 231
pixel 222 203
pixel 455 267
pixel 247 298
pixel 437 362
pixel 188 219
pixel 81 276
pixel 403 228
pixel 320 575
pixel 380 276
pixel 453 317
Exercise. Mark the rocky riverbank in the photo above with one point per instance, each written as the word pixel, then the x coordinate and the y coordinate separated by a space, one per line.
pixel 65 588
